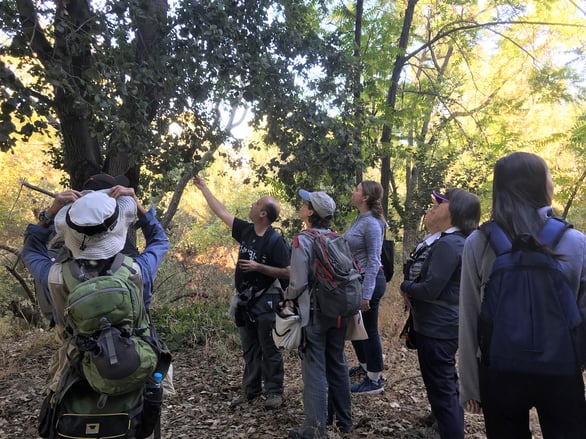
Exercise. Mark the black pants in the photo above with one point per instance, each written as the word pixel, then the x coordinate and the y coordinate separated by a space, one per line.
pixel 263 360
pixel 437 361
pixel 508 397
pixel 370 351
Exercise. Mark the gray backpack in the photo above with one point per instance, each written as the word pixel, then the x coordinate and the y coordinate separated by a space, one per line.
pixel 336 279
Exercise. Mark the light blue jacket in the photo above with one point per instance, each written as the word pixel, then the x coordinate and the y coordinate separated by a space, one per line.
pixel 365 238
pixel 299 279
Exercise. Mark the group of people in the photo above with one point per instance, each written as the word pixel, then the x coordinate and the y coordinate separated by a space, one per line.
pixel 445 281
pixel 443 289
pixel 326 377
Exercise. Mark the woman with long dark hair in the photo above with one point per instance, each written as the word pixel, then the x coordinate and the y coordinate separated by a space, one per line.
pixel 521 205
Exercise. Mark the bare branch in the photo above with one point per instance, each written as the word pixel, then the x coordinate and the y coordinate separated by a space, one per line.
pixel 572 197
pixel 36 188
pixel 30 294
pixel 474 25
pixel 9 249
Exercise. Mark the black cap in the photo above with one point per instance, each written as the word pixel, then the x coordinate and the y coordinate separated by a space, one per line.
pixel 105 181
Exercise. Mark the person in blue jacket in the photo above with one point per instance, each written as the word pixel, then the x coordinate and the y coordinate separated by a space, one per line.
pixel 118 204
pixel 434 296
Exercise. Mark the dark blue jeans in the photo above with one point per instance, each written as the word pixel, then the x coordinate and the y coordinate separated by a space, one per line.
pixel 326 384
pixel 508 397
pixel 370 351
pixel 263 360
pixel 437 361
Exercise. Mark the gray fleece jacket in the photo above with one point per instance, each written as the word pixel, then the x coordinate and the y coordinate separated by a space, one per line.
pixel 477 261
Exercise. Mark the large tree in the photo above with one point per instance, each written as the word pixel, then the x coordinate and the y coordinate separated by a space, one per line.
pixel 112 81
pixel 448 88
pixel 423 91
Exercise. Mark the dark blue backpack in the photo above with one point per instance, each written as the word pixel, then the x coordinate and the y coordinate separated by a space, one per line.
pixel 529 318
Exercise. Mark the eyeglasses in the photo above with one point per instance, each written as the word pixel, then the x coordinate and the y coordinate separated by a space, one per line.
pixel 439 198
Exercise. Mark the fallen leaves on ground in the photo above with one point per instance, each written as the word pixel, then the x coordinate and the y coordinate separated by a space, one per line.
pixel 207 378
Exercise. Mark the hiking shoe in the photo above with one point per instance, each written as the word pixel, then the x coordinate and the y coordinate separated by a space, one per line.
pixel 241 399
pixel 356 371
pixel 368 387
pixel 428 420
pixel 273 401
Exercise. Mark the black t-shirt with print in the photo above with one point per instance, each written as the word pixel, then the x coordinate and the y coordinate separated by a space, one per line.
pixel 256 248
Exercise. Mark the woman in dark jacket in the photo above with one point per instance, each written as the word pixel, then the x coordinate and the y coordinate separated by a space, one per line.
pixel 434 297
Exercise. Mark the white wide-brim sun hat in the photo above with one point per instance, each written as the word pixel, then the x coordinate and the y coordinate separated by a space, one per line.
pixel 95 226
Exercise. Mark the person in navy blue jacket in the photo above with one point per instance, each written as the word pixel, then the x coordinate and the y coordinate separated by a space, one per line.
pixel 433 297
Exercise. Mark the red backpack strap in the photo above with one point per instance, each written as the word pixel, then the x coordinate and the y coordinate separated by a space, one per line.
pixel 312 234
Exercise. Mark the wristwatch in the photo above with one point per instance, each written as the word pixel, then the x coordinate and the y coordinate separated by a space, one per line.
pixel 45 218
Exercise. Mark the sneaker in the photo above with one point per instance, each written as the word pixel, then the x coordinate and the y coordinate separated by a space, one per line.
pixel 356 371
pixel 368 387
pixel 273 401
pixel 241 399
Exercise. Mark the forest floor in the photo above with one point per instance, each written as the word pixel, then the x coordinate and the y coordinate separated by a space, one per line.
pixel 207 378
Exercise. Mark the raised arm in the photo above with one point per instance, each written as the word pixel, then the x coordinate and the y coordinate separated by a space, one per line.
pixel 217 207
pixel 121 191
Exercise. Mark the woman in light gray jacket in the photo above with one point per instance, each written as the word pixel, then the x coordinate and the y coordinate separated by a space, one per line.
pixel 326 385
pixel 365 238
pixel 522 195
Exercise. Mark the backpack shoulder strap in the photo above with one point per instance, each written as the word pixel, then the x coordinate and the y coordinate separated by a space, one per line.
pixel 74 275
pixel 552 231
pixel 121 261
pixel 271 241
pixel 71 273
pixel 311 234
pixel 496 236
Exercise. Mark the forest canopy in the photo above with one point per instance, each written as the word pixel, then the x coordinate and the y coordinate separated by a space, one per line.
pixel 415 94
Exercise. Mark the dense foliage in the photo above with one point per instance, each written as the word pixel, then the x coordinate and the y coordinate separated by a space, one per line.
pixel 418 94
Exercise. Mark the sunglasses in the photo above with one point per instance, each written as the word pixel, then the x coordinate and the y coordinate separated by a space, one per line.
pixel 439 197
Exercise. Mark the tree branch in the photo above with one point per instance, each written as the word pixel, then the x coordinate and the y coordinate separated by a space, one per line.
pixel 9 249
pixel 34 32
pixel 22 282
pixel 36 188
pixel 573 194
pixel 11 80
pixel 484 25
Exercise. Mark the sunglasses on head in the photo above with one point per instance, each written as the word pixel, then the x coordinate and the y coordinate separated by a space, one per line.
pixel 439 197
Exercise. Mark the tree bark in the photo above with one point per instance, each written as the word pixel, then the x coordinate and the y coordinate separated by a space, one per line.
pixel 391 99
pixel 149 19
pixel 357 85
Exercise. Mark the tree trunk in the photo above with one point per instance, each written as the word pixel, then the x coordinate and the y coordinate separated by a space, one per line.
pixel 357 85
pixel 149 19
pixel 391 99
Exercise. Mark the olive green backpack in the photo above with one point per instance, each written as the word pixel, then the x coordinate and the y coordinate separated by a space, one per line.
pixel 117 353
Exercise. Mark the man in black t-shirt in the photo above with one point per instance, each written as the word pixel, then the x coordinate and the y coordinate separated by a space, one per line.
pixel 263 259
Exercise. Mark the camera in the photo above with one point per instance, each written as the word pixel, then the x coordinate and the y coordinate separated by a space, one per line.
pixel 247 294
